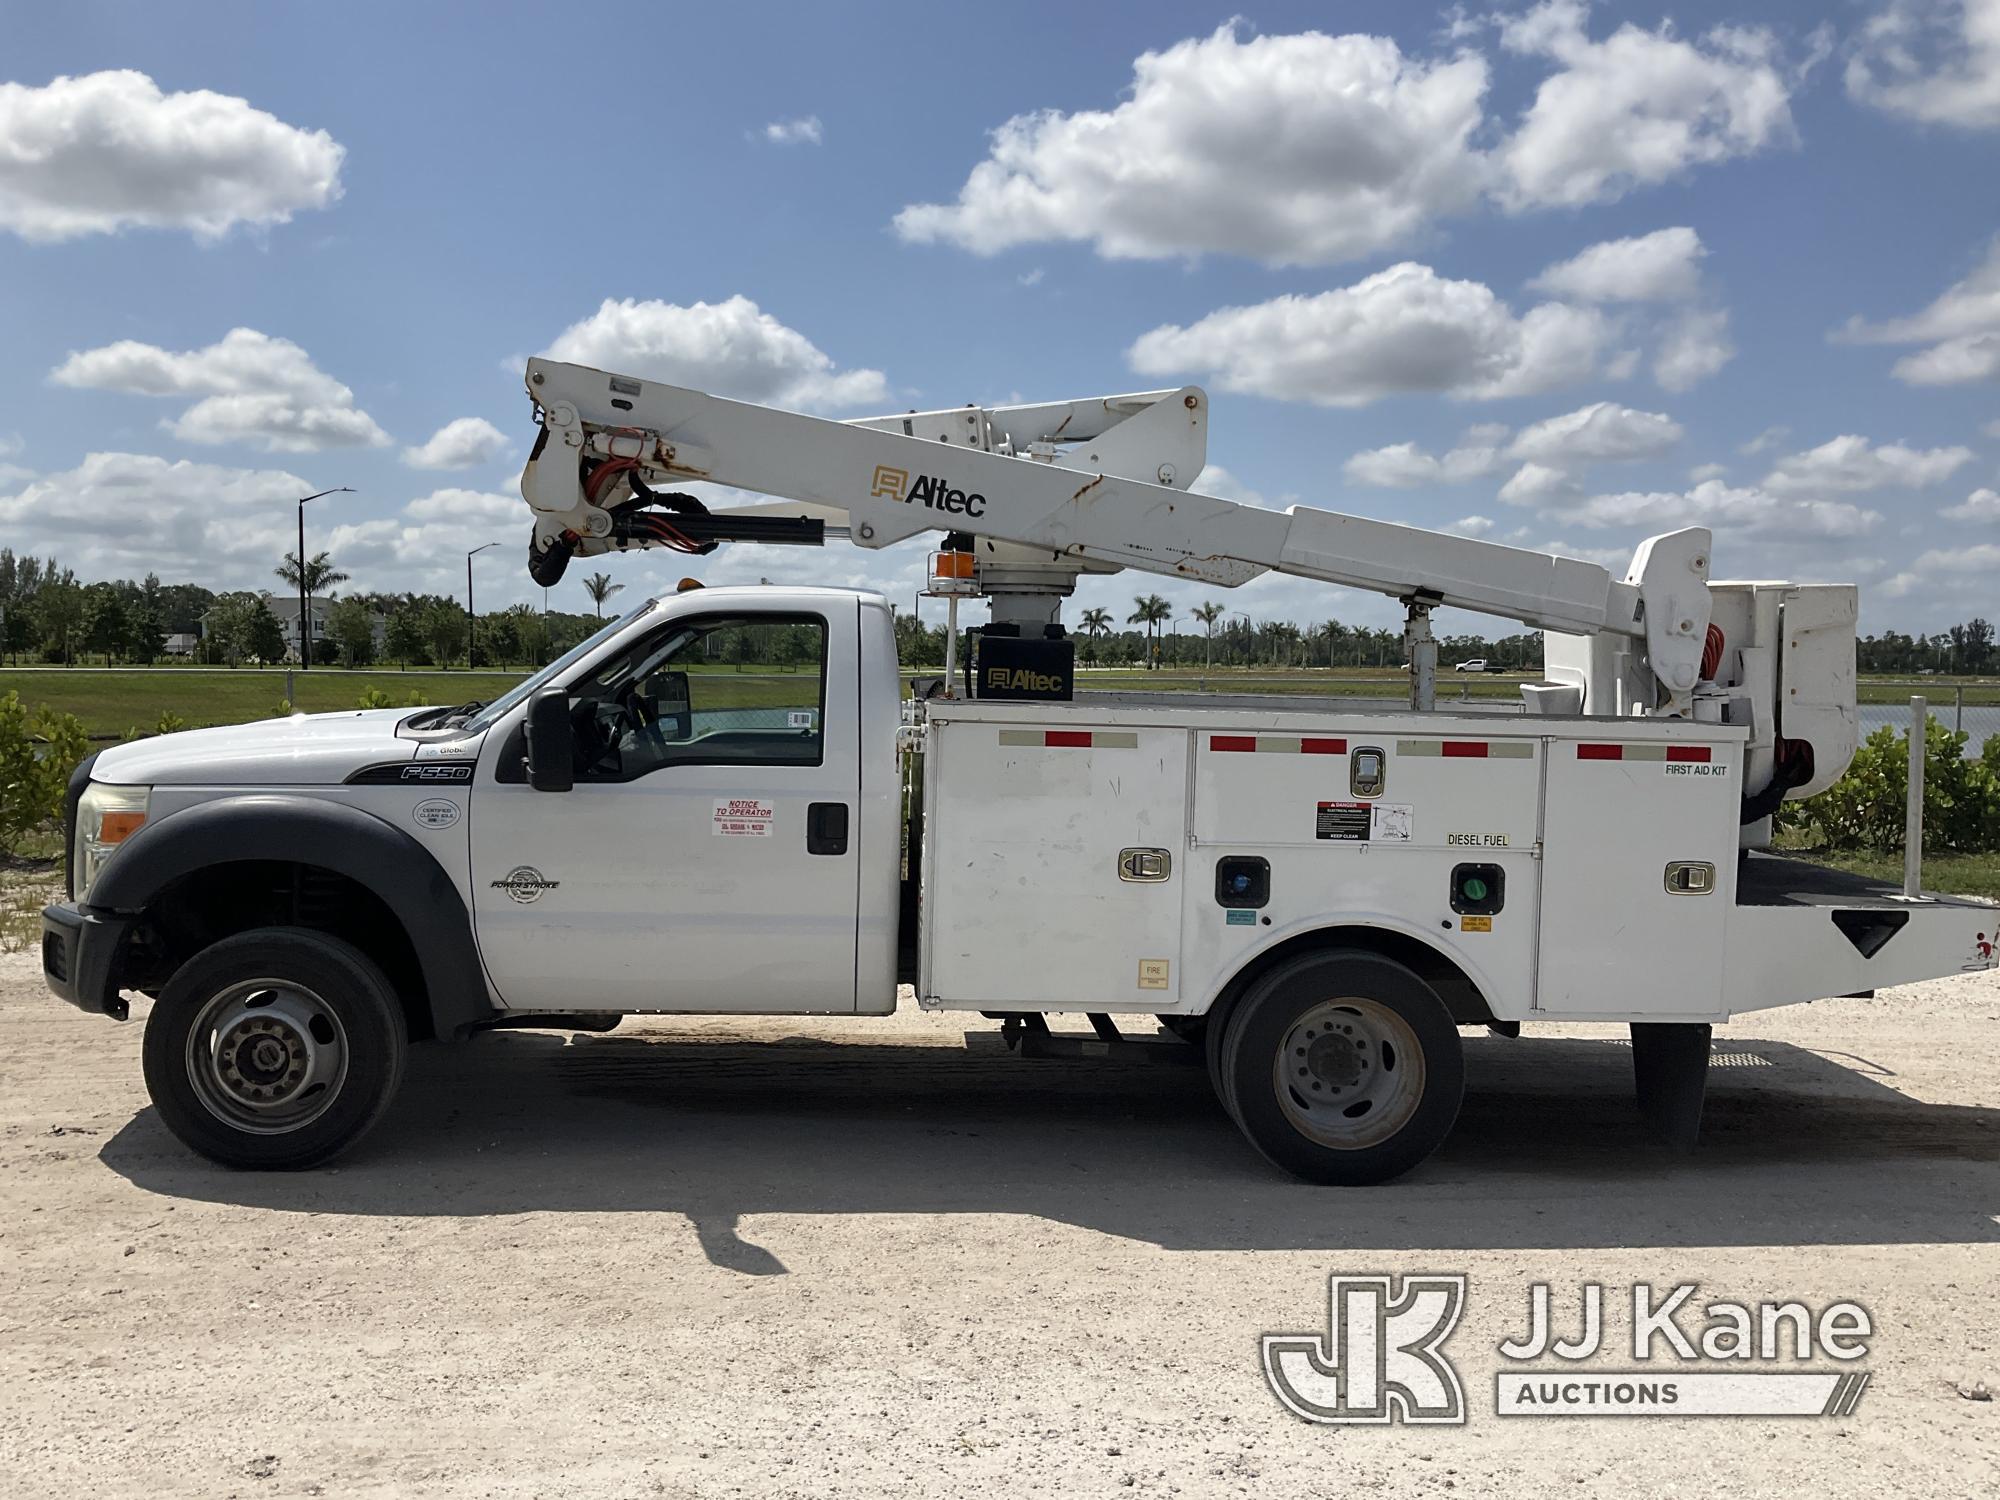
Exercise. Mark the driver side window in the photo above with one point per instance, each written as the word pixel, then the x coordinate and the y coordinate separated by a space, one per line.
pixel 709 692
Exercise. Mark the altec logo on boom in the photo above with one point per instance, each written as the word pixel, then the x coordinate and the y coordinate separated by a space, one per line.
pixel 929 491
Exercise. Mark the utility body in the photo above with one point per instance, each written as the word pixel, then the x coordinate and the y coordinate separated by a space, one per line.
pixel 723 802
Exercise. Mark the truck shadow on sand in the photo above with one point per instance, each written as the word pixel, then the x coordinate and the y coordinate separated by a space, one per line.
pixel 1798 1147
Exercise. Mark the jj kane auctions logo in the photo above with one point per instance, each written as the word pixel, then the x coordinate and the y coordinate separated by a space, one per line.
pixel 928 491
pixel 1382 1360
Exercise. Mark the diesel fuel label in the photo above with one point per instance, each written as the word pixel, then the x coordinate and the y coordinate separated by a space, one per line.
pixel 1477 840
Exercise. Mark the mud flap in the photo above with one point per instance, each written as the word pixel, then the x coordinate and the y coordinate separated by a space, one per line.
pixel 1670 1070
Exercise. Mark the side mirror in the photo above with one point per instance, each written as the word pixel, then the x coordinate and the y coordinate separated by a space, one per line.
pixel 551 742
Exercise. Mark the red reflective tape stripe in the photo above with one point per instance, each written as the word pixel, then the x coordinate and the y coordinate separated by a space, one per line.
pixel 1600 752
pixel 1074 738
pixel 1322 747
pixel 1698 753
pixel 1232 742
pixel 1465 749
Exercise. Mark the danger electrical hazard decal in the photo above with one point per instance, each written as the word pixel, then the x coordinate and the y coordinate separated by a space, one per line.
pixel 743 818
pixel 1347 821
pixel 1363 822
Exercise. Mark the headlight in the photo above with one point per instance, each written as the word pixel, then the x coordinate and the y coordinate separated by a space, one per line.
pixel 106 816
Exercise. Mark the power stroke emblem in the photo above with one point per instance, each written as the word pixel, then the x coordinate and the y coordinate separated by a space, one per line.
pixel 524 883
pixel 928 491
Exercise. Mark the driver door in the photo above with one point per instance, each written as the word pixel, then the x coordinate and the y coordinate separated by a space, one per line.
pixel 703 861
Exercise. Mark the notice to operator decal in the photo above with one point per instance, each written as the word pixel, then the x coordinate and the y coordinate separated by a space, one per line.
pixel 743 818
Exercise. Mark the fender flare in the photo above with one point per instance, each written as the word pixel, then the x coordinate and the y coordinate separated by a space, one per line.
pixel 292 829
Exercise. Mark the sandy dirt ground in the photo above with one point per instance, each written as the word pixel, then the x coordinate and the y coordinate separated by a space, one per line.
pixel 786 1258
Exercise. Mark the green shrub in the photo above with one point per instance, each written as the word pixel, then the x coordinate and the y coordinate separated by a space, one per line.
pixel 1865 808
pixel 283 710
pixel 376 698
pixel 37 753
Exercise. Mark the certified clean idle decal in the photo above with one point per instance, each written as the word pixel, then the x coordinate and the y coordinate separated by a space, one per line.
pixel 524 883
pixel 435 813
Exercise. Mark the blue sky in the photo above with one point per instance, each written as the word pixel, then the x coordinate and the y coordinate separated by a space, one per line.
pixel 1795 209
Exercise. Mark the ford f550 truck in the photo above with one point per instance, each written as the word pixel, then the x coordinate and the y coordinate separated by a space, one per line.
pixel 714 805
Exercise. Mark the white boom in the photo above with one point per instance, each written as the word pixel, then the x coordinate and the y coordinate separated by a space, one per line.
pixel 1076 486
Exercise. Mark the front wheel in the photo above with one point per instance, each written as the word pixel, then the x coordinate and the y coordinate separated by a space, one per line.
pixel 275 1049
pixel 1342 1067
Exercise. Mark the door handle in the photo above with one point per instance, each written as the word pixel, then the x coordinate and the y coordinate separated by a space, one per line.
pixel 826 828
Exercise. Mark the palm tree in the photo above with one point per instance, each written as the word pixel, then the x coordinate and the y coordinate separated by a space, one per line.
pixel 600 587
pixel 321 574
pixel 1208 614
pixel 1151 611
pixel 1095 622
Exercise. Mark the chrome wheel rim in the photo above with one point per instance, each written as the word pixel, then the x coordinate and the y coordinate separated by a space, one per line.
pixel 1350 1073
pixel 267 1056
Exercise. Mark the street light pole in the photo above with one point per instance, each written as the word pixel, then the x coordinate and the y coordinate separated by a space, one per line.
pixel 305 634
pixel 471 618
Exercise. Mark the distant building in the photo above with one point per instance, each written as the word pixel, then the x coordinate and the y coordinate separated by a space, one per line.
pixel 182 643
pixel 286 608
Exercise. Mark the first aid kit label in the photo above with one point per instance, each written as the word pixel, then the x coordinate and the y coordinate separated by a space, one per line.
pixel 743 818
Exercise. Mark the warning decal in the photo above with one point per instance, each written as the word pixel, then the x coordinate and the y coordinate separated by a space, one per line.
pixel 743 817
pixel 1393 822
pixel 1343 820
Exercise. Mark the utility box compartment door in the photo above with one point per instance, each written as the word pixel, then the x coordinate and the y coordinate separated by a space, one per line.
pixel 1043 879
pixel 1638 878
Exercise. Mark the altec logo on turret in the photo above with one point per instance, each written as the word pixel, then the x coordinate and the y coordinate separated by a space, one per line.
pixel 928 490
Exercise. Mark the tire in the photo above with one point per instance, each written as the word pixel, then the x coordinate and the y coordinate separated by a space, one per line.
pixel 1342 1067
pixel 275 1049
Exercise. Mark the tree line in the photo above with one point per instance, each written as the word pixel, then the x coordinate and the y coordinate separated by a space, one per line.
pixel 47 615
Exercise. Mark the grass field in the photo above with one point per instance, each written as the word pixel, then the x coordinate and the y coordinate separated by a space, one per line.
pixel 115 701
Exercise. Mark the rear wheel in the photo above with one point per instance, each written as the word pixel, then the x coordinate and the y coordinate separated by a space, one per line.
pixel 276 1048
pixel 1343 1067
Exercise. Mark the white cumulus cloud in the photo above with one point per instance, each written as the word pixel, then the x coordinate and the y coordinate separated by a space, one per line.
pixel 1980 505
pixel 254 389
pixel 1742 510
pixel 1936 61
pixel 1602 432
pixel 806 131
pixel 1401 331
pixel 1695 345
pixel 731 348
pixel 123 515
pixel 1539 485
pixel 1852 465
pixel 110 151
pixel 1405 466
pixel 1304 149
pixel 1637 107
pixel 464 443
pixel 1962 328
pixel 1664 266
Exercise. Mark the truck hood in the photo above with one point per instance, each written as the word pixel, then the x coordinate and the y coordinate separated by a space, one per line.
pixel 303 750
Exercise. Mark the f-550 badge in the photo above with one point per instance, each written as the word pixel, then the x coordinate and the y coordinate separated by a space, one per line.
pixel 524 883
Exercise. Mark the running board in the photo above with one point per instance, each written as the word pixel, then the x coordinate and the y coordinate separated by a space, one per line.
pixel 1029 1036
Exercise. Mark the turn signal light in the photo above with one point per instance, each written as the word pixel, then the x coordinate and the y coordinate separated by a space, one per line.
pixel 119 826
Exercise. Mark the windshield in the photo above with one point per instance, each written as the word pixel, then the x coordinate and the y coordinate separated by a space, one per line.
pixel 488 716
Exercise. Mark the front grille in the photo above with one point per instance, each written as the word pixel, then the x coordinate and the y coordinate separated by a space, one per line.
pixel 55 957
